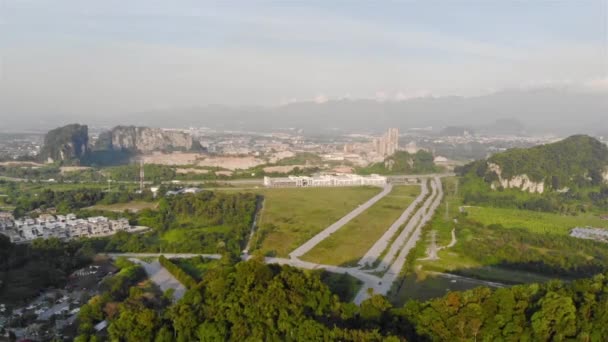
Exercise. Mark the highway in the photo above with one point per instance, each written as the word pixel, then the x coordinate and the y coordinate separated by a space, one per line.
pixel 161 277
pixel 406 232
pixel 386 282
pixel 310 244
pixel 374 253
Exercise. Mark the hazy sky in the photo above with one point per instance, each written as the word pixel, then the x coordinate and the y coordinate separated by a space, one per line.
pixel 96 57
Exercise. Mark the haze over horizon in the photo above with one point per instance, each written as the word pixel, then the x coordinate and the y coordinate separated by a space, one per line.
pixel 93 61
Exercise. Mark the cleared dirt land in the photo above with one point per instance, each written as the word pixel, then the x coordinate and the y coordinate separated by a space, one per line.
pixel 291 216
pixel 351 242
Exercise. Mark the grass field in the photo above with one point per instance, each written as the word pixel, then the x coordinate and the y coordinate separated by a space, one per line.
pixel 133 206
pixel 453 261
pixel 351 242
pixel 536 222
pixel 291 216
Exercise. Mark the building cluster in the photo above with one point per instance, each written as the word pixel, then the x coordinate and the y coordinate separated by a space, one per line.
pixel 13 146
pixel 387 144
pixel 53 314
pixel 325 181
pixel 597 234
pixel 376 149
pixel 64 227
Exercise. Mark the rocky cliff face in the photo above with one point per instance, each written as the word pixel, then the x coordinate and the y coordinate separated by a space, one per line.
pixel 522 182
pixel 67 143
pixel 144 139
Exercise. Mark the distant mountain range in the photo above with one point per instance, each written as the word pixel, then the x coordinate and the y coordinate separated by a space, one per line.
pixel 540 111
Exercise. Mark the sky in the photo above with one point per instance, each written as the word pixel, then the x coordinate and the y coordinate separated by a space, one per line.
pixel 98 57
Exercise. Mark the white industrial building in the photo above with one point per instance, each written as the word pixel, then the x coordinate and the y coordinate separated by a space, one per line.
pixel 325 181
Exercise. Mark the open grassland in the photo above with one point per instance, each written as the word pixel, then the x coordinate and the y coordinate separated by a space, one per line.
pixel 351 242
pixel 453 260
pixel 442 224
pixel 537 222
pixel 133 206
pixel 291 216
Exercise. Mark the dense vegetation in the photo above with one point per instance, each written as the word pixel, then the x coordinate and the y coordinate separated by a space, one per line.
pixel 402 162
pixel 253 301
pixel 206 222
pixel 575 161
pixel 65 201
pixel 520 249
pixel 153 173
pixel 115 289
pixel 46 172
pixel 27 269
pixel 572 171
pixel 177 272
pixel 552 311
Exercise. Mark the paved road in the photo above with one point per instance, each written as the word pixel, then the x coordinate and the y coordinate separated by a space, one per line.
pixel 384 285
pixel 366 278
pixel 374 253
pixel 165 280
pixel 412 224
pixel 161 277
pixel 258 211
pixel 158 274
pixel 310 244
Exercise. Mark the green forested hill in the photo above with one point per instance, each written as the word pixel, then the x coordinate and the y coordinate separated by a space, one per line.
pixel 576 166
pixel 578 160
pixel 402 162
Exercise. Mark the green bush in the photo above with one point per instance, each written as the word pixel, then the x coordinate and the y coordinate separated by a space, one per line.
pixel 177 272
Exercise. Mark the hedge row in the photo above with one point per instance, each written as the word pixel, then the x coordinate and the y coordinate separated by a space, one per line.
pixel 177 272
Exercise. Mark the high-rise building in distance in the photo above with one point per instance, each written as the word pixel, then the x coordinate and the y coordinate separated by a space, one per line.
pixel 387 144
